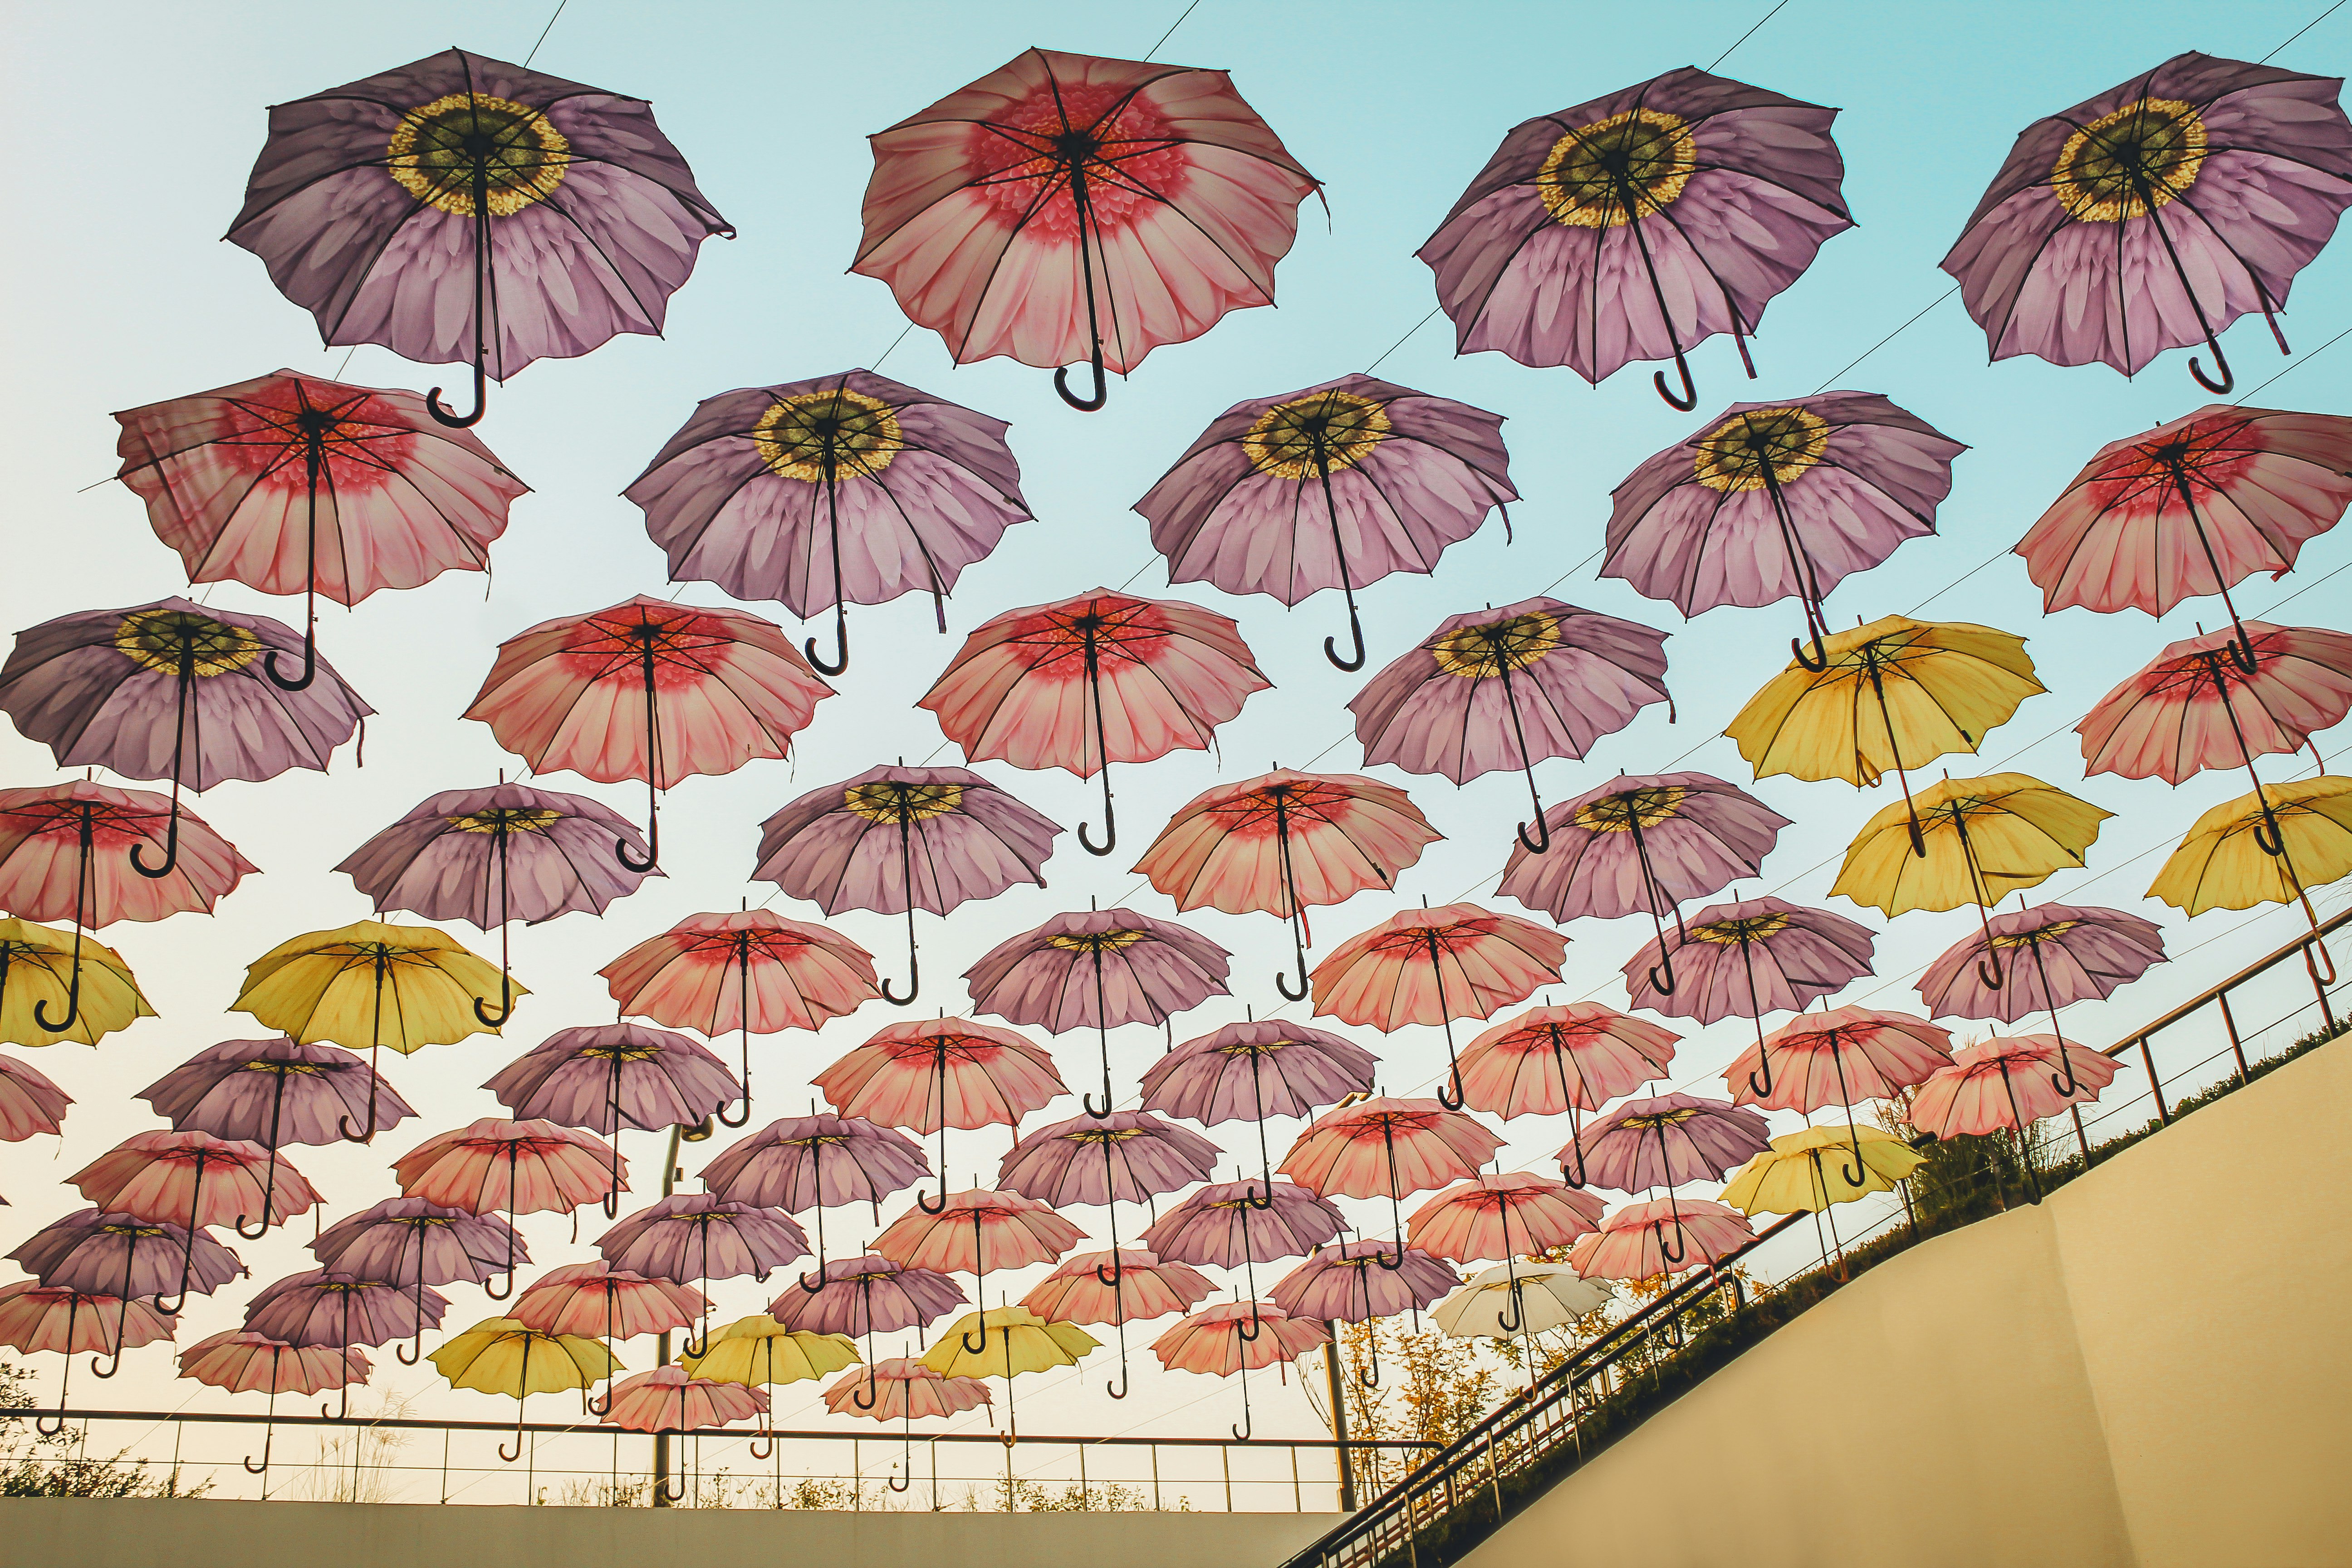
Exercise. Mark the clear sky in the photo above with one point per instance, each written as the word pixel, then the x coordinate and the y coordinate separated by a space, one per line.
pixel 136 125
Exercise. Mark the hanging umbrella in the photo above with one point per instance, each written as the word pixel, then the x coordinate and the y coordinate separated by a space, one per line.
pixel 862 1296
pixel 410 1243
pixel 2195 707
pixel 700 1238
pixel 1391 1147
pixel 173 690
pixel 1084 682
pixel 1148 1287
pixel 1888 697
pixel 1067 207
pixel 37 1317
pixel 1097 971
pixel 1023 1342
pixel 1743 960
pixel 1778 500
pixel 1634 1242
pixel 1231 1225
pixel 29 1102
pixel 1356 1282
pixel 193 1180
pixel 91 989
pixel 1397 973
pixel 1638 225
pixel 542 850
pixel 2251 486
pixel 1234 1338
pixel 1394 476
pixel 2227 860
pixel 1531 1297
pixel 1284 841
pixel 120 1255
pixel 1866 1055
pixel 234 480
pixel 760 1351
pixel 319 1307
pixel 1507 688
pixel 495 1356
pixel 668 1399
pixel 64 856
pixel 242 1361
pixel 748 971
pixel 948 1072
pixel 1642 844
pixel 901 1389
pixel 974 1232
pixel 1518 1213
pixel 2077 953
pixel 608 1077
pixel 373 984
pixel 1249 1071
pixel 1550 1060
pixel 816 1163
pixel 763 488
pixel 513 1168
pixel 596 1301
pixel 1791 1178
pixel 648 690
pixel 1967 840
pixel 2009 1084
pixel 1665 1142
pixel 462 209
pixel 2157 213
pixel 899 839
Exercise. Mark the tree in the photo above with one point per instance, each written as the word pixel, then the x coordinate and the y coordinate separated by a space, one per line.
pixel 34 1466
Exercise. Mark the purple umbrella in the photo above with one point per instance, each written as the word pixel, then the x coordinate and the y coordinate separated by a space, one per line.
pixel 718 1240
pixel 817 1162
pixel 1395 474
pixel 462 207
pixel 1638 225
pixel 1747 959
pixel 2081 954
pixel 901 838
pixel 1250 1071
pixel 611 1077
pixel 122 1256
pixel 29 1102
pixel 545 853
pixel 1645 843
pixel 863 1295
pixel 319 1307
pixel 1507 688
pixel 1239 1224
pixel 273 1093
pixel 411 1243
pixel 1355 1281
pixel 763 483
pixel 1098 970
pixel 1665 1142
pixel 1778 500
pixel 173 690
pixel 2157 213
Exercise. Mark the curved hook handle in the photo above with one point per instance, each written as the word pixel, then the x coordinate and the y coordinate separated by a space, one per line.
pixel 1117 1272
pixel 757 1452
pixel 1256 1327
pixel 664 1488
pixel 840 640
pixel 864 1398
pixel 497 1295
pixel 1242 1428
pixel 630 862
pixel 1117 1390
pixel 1857 1175
pixel 1511 1324
pixel 2269 837
pixel 972 1349
pixel 724 1120
pixel 914 969
pixel 505 1003
pixel 344 1128
pixel 1541 842
pixel 310 666
pixel 171 853
pixel 1817 661
pixel 1306 981
pixel 817 1289
pixel 923 1200
pixel 1372 1379
pixel 2220 362
pixel 446 416
pixel 1110 822
pixel 691 1349
pixel 1661 973
pixel 257 1233
pixel 253 1469
pixel 1449 1093
pixel 1087 1102
pixel 1681 1248
pixel 1918 839
pixel 2069 1086
pixel 114 1362
pixel 1579 1178
pixel 1390 1261
pixel 73 990
pixel 1689 399
pixel 898 1486
pixel 1989 969
pixel 2240 649
pixel 412 1351
pixel 1356 637
pixel 1761 1090
pixel 41 1423
pixel 1084 405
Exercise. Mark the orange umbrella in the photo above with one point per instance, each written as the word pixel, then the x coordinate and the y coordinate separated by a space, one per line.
pixel 974 1232
pixel 514 1167
pixel 1474 1222
pixel 940 1073
pixel 1388 1147
pixel 1238 1337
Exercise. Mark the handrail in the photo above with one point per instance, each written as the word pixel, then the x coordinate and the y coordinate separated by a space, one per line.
pixel 2300 944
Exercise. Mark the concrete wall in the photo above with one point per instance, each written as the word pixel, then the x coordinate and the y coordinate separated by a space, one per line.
pixel 2152 1370
pixel 79 1533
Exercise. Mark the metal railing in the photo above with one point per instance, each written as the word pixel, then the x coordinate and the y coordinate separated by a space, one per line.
pixel 1460 1494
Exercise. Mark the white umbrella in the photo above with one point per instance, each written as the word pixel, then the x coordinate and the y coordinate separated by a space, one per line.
pixel 1551 1296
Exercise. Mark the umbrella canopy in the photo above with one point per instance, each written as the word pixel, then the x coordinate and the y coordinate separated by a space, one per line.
pixel 1337 486
pixel 2223 863
pixel 500 1356
pixel 698 1237
pixel 651 690
pixel 1643 1241
pixel 317 1307
pixel 817 1162
pixel 909 1391
pixel 2072 953
pixel 760 1351
pixel 608 1077
pixel 1792 1176
pixel 1016 1341
pixel 1127 1156
pixel 1067 207
pixel 1084 682
pixel 1548 1060
pixel 1250 1071
pixel 2157 213
pixel 595 1300
pixel 1743 960
pixel 1842 1057
pixel 242 1361
pixel 65 855
pixel 29 1102
pixel 667 1400
pixel 514 1167
pixel 461 208
pixel 61 985
pixel 840 489
pixel 977 1231
pixel 1520 1298
pixel 868 1295
pixel 273 1093
pixel 1637 226
pixel 1664 1141
pixel 37 1317
pixel 1357 1281
pixel 1778 500
pixel 409 1241
pixel 1231 1225
pixel 1238 1336
pixel 944 1072
pixel 1388 1148
pixel 1115 1287
pixel 98 1252
pixel 1983 840
pixel 194 1180
pixel 488 855
pixel 1505 1216
pixel 2008 1083
pixel 2195 707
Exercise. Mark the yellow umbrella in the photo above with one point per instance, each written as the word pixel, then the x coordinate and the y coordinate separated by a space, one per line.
pixel 1013 1339
pixel 760 1349
pixel 500 1355
pixel 37 965
pixel 1975 841
pixel 1794 1176
pixel 368 985
pixel 2225 863
pixel 1886 698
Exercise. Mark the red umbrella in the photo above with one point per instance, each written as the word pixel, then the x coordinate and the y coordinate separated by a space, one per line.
pixel 945 1072
pixel 243 1362
pixel 1236 1338
pixel 974 1232
pixel 1553 1059
pixel 2010 1084
pixel 514 1168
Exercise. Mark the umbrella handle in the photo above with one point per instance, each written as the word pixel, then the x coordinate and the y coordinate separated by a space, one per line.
pixel 1689 399
pixel 972 1349
pixel 1110 822
pixel 864 1398
pixel 2268 836
pixel 1449 1093
pixel 652 842
pixel 253 1469
pixel 2069 1086
pixel 1256 1327
pixel 914 963
pixel 1242 1428
pixel 310 664
pixel 505 1002
pixel 1817 661
pixel 841 649
pixel 1541 842
pixel 1282 981
pixel 923 1200
pixel 2221 363
pixel 1355 661
pixel 445 415
pixel 663 1488
pixel 1101 392
pixel 1661 973
pixel 1372 1378
pixel 1674 1257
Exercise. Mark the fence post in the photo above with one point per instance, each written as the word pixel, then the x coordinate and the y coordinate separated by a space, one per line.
pixel 1225 1453
pixel 2230 1022
pixel 1155 1479
pixel 2155 1085
pixel 1082 1478
pixel 1297 1489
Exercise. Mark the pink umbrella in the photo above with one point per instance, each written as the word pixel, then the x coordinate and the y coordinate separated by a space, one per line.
pixel 123 1255
pixel 243 1362
pixel 607 1076
pixel 862 1296
pixel 1392 1147
pixel 1507 687
pixel 1251 1071
pixel 2195 506
pixel 667 1400
pixel 903 839
pixel 1632 1244
pixel 319 1307
pixel 1664 1143
pixel 1067 207
pixel 1147 1287
pixel 1548 1060
pixel 764 483
pixel 1778 500
pixel 1475 1221
pixel 701 1237
pixel 51 867
pixel 816 1163
pixel 1396 474
pixel 901 1389
pixel 37 1317
pixel 2080 953
pixel 29 1102
pixel 1284 841
pixel 1993 1085
pixel 947 1072
pixel 411 1243
pixel 595 1300
pixel 1100 678
pixel 1236 1338
pixel 1396 974
pixel 1866 1055
pixel 1743 960
pixel 1233 1225
pixel 976 1231
pixel 1356 1282
pixel 1098 970
pixel 194 1180
pixel 751 970
pixel 648 690
pixel 511 1167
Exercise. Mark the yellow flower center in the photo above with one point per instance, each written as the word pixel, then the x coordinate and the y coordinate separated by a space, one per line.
pixel 1482 652
pixel 886 800
pixel 1635 807
pixel 1617 169
pixel 2028 937
pixel 1739 454
pixel 2127 163
pixel 1729 933
pixel 1095 941
pixel 1321 432
pixel 160 639
pixel 507 818
pixel 817 435
pixel 446 151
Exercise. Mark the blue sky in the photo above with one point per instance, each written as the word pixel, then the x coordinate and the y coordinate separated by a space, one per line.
pixel 137 124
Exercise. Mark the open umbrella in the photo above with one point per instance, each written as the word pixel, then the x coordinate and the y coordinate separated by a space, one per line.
pixel 92 990
pixel 1392 475
pixel 1575 1058
pixel 1867 1055
pixel 1638 225
pixel 1249 1071
pixel 495 1356
pixel 902 1389
pixel 651 690
pixel 1233 1338
pixel 1391 1147
pixel 1518 1213
pixel 2074 953
pixel 1098 970
pixel 1531 1297
pixel 243 1362
pixel 1398 973
pixel 1634 1242
pixel 945 1072
pixel 974 1232
pixel 322 1308
pixel 816 1163
pixel 459 208
pixel 1508 688
pixel 1743 960
pixel 1778 500
pixel 509 1167
pixel 1239 1224
pixel 1791 1178
pixel 372 984
pixel 193 1180
pixel 1282 842
pixel 290 484
pixel 2157 213
pixel 595 1300
pixel 1067 207
pixel 2009 1084
pixel 411 1243
pixel 608 1077
pixel 29 1102
pixel 121 1255
pixel 1023 1342
pixel 37 1317
pixel 862 1296
pixel 763 486
pixel 698 1237
pixel 64 856
pixel 670 1399
pixel 899 838
pixel 759 1351
pixel 1356 1282
pixel 1084 682
pixel 1660 1142
pixel 2267 848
